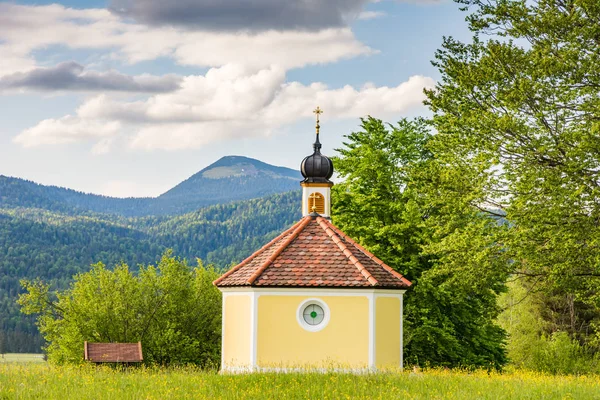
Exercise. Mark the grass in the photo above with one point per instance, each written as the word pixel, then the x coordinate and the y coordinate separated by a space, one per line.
pixel 43 381
pixel 21 357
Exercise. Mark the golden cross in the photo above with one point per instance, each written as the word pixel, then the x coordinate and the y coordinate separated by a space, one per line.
pixel 318 112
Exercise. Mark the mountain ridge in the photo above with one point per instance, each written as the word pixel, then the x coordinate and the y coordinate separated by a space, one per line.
pixel 195 192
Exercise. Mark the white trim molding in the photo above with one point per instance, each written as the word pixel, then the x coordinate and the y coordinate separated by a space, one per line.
pixel 320 291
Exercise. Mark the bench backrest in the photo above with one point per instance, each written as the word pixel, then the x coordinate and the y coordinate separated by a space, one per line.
pixel 113 352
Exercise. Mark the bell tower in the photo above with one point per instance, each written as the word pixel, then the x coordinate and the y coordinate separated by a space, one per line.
pixel 316 186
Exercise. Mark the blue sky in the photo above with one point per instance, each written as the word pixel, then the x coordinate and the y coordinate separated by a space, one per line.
pixel 128 98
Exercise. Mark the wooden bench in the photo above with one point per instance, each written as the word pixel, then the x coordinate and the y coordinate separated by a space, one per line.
pixel 113 352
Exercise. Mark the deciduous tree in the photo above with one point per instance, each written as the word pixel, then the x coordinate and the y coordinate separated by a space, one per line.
pixel 385 201
pixel 517 113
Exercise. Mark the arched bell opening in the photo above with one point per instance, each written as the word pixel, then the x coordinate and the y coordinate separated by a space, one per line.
pixel 316 203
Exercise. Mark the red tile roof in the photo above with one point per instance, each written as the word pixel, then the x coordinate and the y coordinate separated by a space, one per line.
pixel 313 253
pixel 113 352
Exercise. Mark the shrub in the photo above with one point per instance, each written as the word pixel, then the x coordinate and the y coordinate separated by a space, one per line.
pixel 173 309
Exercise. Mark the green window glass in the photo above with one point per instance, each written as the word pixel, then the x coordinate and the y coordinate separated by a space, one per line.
pixel 313 314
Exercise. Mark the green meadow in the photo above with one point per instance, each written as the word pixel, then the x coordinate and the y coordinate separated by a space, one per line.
pixel 21 357
pixel 43 381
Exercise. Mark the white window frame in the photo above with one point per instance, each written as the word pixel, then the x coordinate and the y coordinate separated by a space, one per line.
pixel 300 315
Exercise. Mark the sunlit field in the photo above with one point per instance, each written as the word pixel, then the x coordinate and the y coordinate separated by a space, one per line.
pixel 42 381
pixel 21 357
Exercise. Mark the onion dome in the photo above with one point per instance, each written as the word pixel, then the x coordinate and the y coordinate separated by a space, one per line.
pixel 317 168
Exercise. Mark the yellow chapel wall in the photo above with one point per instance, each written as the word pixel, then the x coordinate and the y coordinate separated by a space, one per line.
pixel 387 332
pixel 283 343
pixel 237 331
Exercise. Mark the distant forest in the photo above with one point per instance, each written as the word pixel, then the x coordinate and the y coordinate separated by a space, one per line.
pixel 55 245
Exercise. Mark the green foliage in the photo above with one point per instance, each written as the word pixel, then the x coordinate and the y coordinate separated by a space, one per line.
pixel 522 320
pixel 371 204
pixel 54 246
pixel 517 114
pixel 53 233
pixel 384 204
pixel 174 310
pixel 530 347
pixel 560 354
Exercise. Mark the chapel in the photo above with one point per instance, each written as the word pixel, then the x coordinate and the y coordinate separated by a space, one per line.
pixel 312 297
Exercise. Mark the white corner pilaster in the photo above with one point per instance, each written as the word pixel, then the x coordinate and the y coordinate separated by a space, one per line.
pixel 254 329
pixel 401 331
pixel 372 332
pixel 223 297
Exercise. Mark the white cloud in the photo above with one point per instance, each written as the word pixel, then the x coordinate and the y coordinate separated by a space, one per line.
pixel 227 103
pixel 103 146
pixel 297 100
pixel 13 60
pixel 67 129
pixel 228 93
pixel 99 29
pixel 286 49
pixel 367 15
pixel 179 136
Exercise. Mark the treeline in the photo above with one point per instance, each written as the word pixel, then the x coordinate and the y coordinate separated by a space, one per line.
pixel 227 232
pixel 16 192
pixel 54 247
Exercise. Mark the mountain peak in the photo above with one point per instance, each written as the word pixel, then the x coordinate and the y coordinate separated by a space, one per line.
pixel 236 178
pixel 236 166
pixel 232 160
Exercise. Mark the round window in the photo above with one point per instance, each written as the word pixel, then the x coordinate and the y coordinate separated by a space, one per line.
pixel 313 315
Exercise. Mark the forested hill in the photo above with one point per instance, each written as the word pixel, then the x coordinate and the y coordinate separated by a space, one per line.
pixel 232 178
pixel 15 192
pixel 53 246
pixel 221 215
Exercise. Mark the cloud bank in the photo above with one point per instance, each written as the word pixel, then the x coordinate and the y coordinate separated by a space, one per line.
pixel 72 76
pixel 245 92
pixel 227 103
pixel 242 15
pixel 102 31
